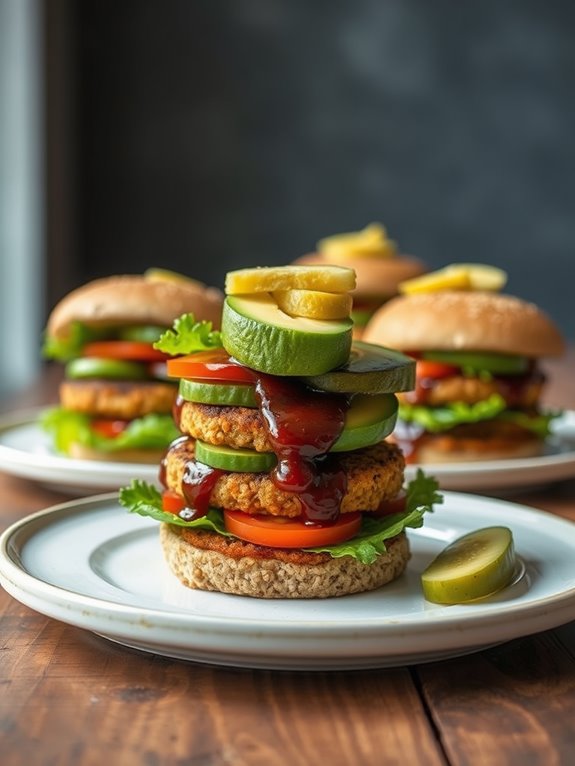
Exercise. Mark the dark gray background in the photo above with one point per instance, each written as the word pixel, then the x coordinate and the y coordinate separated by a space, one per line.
pixel 223 134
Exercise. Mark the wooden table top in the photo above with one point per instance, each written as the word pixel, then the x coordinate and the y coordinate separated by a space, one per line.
pixel 70 697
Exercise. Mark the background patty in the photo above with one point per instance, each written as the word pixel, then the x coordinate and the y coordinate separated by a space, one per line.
pixel 472 390
pixel 124 400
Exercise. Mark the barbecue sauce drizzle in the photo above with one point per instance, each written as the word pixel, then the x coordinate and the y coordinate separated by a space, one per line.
pixel 302 425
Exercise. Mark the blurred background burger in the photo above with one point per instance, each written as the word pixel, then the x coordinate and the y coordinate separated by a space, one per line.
pixel 478 375
pixel 116 399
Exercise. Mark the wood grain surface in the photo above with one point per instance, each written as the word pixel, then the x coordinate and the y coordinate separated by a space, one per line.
pixel 68 697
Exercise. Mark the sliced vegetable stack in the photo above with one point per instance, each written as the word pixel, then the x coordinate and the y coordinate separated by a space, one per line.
pixel 116 399
pixel 282 484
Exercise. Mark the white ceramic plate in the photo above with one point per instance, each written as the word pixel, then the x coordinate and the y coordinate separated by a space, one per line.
pixel 556 464
pixel 91 564
pixel 26 451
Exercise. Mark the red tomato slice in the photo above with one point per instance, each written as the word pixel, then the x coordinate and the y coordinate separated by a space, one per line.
pixel 109 428
pixel 172 502
pixel 281 532
pixel 124 349
pixel 213 365
pixel 428 369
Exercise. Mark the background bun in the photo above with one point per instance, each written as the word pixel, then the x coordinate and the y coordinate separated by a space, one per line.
pixel 134 299
pixel 378 277
pixel 478 321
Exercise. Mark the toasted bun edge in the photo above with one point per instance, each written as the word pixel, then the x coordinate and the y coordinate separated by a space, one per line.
pixel 133 299
pixel 473 321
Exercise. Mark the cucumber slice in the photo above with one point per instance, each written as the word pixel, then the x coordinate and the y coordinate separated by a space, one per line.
pixel 218 393
pixel 371 369
pixel 472 567
pixel 240 460
pixel 113 369
pixel 497 364
pixel 141 333
pixel 257 333
pixel 368 421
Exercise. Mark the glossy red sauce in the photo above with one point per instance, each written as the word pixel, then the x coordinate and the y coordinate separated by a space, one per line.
pixel 302 425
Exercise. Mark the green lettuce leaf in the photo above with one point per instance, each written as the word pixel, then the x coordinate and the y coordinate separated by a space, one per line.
pixel 144 499
pixel 437 419
pixel 421 495
pixel 70 347
pixel 188 336
pixel 66 427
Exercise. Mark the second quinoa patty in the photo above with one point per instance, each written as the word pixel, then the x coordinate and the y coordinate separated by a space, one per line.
pixel 374 475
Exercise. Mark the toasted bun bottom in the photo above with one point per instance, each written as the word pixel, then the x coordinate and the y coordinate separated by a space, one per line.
pixel 449 449
pixel 269 577
pixel 80 452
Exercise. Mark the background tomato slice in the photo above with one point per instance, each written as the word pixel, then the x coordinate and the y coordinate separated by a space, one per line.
pixel 211 365
pixel 278 532
pixel 124 349
pixel 109 428
pixel 428 369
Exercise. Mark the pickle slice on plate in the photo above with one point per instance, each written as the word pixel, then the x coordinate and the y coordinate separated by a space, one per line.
pixel 472 567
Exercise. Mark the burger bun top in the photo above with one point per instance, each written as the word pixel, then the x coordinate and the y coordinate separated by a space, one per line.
pixel 465 321
pixel 134 299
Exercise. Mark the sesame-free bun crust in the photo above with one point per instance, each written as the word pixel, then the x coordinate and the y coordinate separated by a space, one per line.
pixel 133 299
pixel 473 321
pixel 208 561
pixel 377 277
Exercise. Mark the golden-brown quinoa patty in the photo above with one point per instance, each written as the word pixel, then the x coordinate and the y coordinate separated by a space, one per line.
pixel 236 427
pixel 374 474
pixel 124 400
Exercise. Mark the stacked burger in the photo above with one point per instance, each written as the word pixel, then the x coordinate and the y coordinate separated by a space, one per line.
pixel 116 399
pixel 479 380
pixel 281 484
